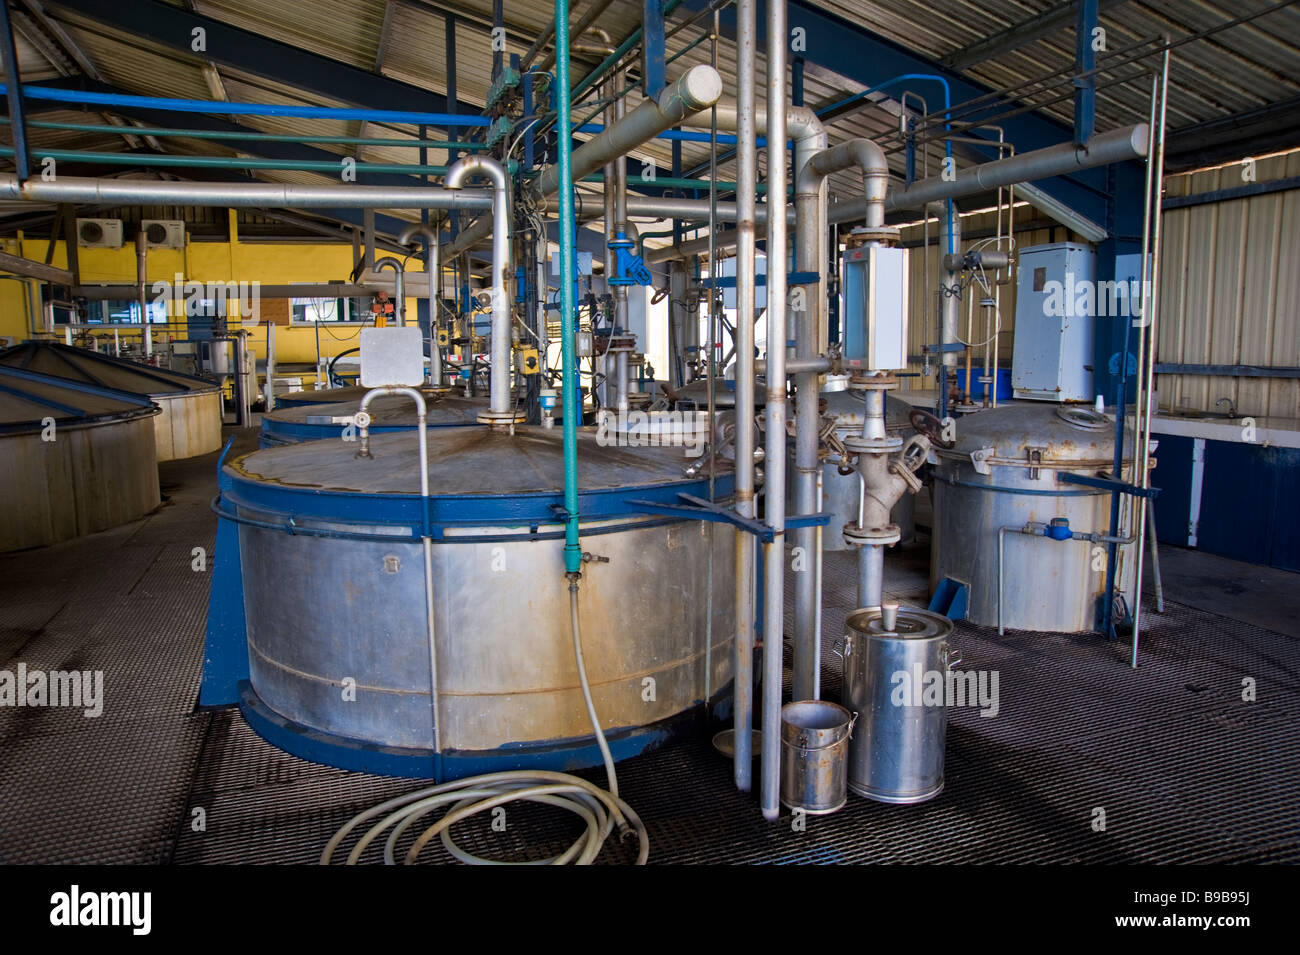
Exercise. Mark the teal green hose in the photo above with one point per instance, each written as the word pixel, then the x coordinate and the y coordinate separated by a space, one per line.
pixel 569 388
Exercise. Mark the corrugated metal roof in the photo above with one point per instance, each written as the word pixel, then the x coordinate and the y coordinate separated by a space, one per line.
pixel 1249 65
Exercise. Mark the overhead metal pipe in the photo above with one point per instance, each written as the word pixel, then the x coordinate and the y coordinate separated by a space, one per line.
pixel 774 461
pixel 696 89
pixel 746 193
pixel 501 398
pixel 1118 145
pixel 399 286
pixel 122 192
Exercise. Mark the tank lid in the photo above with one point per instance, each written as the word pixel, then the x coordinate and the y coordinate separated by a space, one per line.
pixel 911 624
pixel 28 398
pixel 106 371
pixel 1073 436
pixel 388 411
pixel 463 462
pixel 724 393
pixel 848 408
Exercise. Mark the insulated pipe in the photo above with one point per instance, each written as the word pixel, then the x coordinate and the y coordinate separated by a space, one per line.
pixel 812 256
pixel 399 286
pixel 1118 145
pixel 500 400
pixel 619 229
pixel 777 335
pixel 433 275
pixel 746 190
pixel 142 282
pixel 613 386
pixel 123 192
pixel 696 89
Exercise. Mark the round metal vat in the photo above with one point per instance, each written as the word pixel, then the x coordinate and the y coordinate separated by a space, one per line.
pixel 190 422
pixel 695 395
pixel 74 458
pixel 315 422
pixel 338 643
pixel 1005 471
pixel 891 668
pixel 841 492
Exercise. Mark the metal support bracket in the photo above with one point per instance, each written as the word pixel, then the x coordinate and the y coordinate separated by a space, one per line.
pixel 1110 484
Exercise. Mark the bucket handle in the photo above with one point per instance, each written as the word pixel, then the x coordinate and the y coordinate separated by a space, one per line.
pixel 952 656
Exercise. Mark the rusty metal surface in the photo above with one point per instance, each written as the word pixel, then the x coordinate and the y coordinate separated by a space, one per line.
pixel 87 479
pixel 462 461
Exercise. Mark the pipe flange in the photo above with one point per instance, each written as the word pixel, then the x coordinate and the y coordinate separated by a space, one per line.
pixel 618 343
pixel 498 418
pixel 856 535
pixel 860 445
pixel 863 380
pixel 864 234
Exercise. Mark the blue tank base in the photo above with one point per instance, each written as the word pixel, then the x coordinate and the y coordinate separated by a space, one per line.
pixel 410 763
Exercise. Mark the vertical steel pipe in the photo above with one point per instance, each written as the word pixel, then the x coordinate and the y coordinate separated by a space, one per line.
pixel 500 399
pixel 746 192
pixel 399 286
pixel 433 273
pixel 777 335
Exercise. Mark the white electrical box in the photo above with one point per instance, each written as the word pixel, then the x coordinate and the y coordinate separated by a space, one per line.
pixel 99 233
pixel 1055 321
pixel 875 320
pixel 392 356
pixel 164 233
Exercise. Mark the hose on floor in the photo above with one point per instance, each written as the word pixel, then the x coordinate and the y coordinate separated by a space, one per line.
pixel 601 810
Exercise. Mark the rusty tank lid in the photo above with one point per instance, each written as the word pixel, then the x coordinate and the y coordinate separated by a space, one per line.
pixel 1061 436
pixel 105 371
pixel 388 411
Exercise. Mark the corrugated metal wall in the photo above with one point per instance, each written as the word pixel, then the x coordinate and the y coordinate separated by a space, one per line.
pixel 924 299
pixel 1230 288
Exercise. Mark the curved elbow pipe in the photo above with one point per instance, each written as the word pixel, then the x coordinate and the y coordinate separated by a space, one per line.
pixel 500 401
pixel 860 153
pixel 433 276
pixel 399 286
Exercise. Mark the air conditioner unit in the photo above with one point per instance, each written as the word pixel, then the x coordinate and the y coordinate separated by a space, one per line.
pixel 99 233
pixel 164 233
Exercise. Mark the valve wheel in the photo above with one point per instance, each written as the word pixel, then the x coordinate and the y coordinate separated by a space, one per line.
pixel 929 425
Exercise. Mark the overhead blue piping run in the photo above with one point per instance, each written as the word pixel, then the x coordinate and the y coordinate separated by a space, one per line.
pixel 82 97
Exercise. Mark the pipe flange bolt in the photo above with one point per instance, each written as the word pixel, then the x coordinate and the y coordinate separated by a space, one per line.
pixel 856 535
pixel 864 380
pixel 496 418
pixel 864 234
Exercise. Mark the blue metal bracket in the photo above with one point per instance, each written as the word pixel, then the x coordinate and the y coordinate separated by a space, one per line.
pixel 225 645
pixel 1085 80
pixel 1110 484
pixel 950 599
pixel 629 268
pixel 654 47
pixel 697 508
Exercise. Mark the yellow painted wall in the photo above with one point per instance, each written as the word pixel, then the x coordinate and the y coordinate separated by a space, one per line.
pixel 268 263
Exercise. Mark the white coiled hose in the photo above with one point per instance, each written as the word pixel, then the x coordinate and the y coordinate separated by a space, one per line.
pixel 601 810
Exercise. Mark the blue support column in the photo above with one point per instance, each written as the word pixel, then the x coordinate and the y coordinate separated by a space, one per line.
pixel 653 48
pixel 1085 60
pixel 13 93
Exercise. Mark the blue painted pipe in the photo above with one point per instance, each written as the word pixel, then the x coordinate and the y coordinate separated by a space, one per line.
pixel 81 97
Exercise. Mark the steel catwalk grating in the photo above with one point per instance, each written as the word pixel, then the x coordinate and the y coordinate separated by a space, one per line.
pixel 1184 768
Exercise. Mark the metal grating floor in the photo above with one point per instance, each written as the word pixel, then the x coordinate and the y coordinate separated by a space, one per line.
pixel 1183 768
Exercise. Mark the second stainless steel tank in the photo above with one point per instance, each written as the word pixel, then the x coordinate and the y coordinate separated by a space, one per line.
pixel 1006 471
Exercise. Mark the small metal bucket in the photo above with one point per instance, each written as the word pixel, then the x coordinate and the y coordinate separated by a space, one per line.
pixel 814 755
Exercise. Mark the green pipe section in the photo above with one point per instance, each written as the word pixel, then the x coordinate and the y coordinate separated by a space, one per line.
pixel 251 136
pixel 568 349
pixel 230 162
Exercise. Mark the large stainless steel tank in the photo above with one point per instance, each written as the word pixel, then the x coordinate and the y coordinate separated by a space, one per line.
pixel 388 414
pixel 337 598
pixel 190 422
pixel 840 492
pixel 75 458
pixel 1005 471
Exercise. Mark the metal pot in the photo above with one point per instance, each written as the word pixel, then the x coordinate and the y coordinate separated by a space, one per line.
pixel 814 744
pixel 896 752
